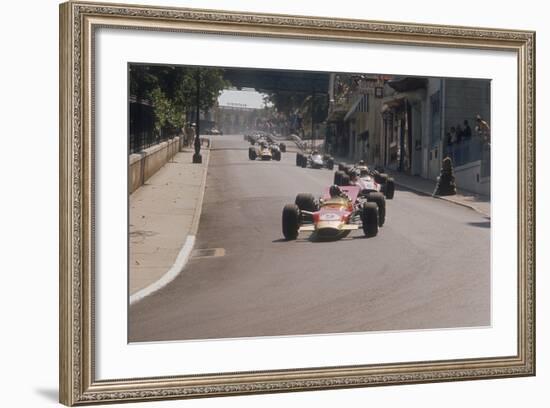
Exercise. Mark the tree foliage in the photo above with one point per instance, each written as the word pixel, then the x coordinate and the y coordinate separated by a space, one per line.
pixel 284 101
pixel 172 90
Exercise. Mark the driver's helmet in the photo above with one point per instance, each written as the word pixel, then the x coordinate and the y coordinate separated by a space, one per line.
pixel 362 163
pixel 355 174
pixel 315 152
pixel 335 191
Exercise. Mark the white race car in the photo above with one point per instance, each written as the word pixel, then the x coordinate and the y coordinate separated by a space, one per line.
pixel 369 180
pixel 315 160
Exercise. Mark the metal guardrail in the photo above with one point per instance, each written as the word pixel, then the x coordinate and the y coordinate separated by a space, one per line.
pixel 142 127
pixel 471 150
pixel 305 144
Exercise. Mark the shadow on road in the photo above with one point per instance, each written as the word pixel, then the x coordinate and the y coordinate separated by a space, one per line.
pixel 314 239
pixel 482 224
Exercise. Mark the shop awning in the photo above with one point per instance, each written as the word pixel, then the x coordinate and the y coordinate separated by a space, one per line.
pixel 408 84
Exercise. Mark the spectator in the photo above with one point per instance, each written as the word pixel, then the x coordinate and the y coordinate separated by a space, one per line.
pixel 483 130
pixel 449 139
pixel 459 133
pixel 453 135
pixel 449 142
pixel 467 130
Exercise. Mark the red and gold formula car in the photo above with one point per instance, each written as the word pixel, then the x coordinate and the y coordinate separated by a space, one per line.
pixel 264 151
pixel 339 211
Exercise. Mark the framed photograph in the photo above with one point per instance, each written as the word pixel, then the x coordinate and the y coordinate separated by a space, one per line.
pixel 240 213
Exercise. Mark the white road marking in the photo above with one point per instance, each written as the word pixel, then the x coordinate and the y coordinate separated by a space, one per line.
pixel 169 276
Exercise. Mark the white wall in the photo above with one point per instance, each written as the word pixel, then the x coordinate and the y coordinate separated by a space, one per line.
pixel 468 177
pixel 28 303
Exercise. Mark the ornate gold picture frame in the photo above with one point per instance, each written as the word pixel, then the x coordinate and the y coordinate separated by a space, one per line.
pixel 78 24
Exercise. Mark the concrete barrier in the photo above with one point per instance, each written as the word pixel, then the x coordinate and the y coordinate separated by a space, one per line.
pixel 146 163
pixel 468 177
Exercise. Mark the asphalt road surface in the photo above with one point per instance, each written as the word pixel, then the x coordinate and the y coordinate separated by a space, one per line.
pixel 429 266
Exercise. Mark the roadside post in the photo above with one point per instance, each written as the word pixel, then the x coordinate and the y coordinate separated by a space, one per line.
pixel 197 157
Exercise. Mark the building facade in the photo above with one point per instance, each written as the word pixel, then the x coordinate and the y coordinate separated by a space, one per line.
pixel 427 119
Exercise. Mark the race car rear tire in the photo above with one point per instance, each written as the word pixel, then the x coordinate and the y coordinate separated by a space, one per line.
pixel 282 146
pixel 389 188
pixel 380 201
pixel 291 221
pixel 304 162
pixel 338 177
pixel 299 159
pixel 251 153
pixel 369 218
pixel 345 180
pixel 277 155
pixel 306 202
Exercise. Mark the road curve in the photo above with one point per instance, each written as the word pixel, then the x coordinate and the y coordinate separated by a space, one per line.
pixel 429 266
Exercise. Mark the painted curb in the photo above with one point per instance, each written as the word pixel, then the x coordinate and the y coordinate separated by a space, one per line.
pixel 170 275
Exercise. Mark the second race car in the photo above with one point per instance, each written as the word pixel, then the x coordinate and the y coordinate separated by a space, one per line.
pixel 368 179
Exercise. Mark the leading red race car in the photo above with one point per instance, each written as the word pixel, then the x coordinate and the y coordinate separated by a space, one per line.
pixel 341 209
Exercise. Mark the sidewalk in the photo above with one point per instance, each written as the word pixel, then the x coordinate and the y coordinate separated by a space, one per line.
pixel 477 202
pixel 163 217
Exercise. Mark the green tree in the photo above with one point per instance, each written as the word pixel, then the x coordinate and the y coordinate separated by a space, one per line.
pixel 286 102
pixel 172 90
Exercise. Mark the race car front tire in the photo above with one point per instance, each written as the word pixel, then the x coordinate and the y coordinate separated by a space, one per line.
pixel 291 221
pixel 282 146
pixel 330 164
pixel 369 218
pixel 380 201
pixel 338 177
pixel 306 202
pixel 277 155
pixel 251 153
pixel 299 159
pixel 389 188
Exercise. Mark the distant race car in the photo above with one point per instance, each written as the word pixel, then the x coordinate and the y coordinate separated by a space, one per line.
pixel 264 152
pixel 371 180
pixel 315 160
pixel 339 211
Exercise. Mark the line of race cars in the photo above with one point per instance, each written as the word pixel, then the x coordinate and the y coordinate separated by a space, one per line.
pixel 356 200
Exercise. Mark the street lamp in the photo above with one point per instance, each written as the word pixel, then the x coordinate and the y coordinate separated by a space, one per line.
pixel 197 157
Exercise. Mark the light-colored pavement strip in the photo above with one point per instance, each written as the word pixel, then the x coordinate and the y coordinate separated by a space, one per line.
pixel 163 217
